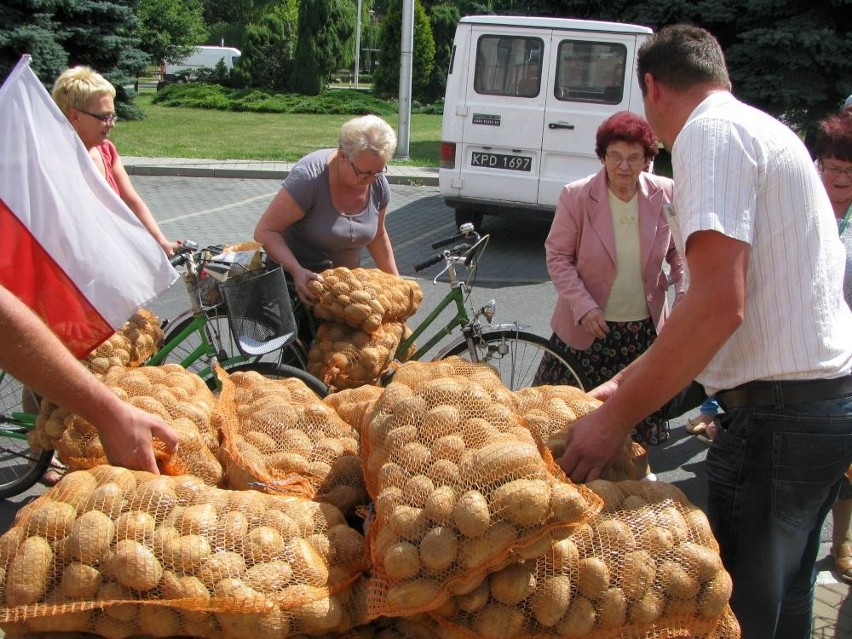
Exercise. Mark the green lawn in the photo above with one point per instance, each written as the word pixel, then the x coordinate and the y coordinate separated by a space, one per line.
pixel 229 135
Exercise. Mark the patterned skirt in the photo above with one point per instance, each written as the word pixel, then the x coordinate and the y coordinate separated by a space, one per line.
pixel 602 360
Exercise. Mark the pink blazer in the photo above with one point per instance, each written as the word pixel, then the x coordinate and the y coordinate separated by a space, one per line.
pixel 581 252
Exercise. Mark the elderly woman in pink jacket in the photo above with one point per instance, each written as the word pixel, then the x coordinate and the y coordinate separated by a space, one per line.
pixel 605 254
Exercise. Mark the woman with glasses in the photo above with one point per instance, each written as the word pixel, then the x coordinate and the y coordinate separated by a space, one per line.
pixel 833 151
pixel 332 204
pixel 605 254
pixel 86 99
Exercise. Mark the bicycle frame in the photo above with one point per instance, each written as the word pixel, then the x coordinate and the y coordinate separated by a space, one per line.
pixel 461 318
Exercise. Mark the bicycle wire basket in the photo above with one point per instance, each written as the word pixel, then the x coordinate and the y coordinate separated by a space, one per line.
pixel 259 310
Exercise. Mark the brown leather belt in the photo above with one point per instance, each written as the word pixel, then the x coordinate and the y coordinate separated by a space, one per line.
pixel 787 392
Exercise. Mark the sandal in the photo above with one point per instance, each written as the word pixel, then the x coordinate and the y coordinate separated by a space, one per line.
pixel 54 473
pixel 843 561
pixel 698 424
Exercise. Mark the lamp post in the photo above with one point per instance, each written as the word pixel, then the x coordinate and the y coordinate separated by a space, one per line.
pixel 358 44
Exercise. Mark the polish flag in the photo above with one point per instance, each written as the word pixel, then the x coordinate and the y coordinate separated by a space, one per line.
pixel 69 246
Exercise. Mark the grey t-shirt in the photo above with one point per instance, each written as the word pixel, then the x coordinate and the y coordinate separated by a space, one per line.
pixel 846 238
pixel 325 233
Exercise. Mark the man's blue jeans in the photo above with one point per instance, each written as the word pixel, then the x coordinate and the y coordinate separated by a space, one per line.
pixel 773 474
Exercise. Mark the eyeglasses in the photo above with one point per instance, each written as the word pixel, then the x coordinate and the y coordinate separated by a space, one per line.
pixel 836 171
pixel 633 161
pixel 109 118
pixel 360 174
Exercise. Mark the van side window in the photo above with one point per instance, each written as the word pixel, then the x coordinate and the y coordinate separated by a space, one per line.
pixel 590 72
pixel 508 65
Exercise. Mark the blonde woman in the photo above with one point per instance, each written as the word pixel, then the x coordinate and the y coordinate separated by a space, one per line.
pixel 332 204
pixel 87 100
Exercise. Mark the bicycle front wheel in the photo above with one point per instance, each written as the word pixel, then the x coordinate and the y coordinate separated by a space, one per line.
pixel 220 331
pixel 20 466
pixel 274 370
pixel 516 356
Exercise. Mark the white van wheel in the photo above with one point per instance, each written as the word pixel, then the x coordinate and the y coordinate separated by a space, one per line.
pixel 465 216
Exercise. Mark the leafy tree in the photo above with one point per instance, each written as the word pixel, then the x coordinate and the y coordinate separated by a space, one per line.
pixel 267 54
pixel 227 19
pixel 386 77
pixel 29 27
pixel 443 19
pixel 324 28
pixel 171 29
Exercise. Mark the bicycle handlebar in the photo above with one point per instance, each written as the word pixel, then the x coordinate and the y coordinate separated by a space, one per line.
pixel 427 263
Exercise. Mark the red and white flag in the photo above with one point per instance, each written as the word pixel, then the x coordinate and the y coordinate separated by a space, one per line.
pixel 70 248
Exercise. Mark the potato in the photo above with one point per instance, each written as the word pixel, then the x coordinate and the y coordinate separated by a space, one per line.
pixel 414 594
pixel 112 628
pixel 349 546
pixel 525 502
pixel 567 503
pixel 53 520
pixel 158 621
pixel 592 577
pixel 439 549
pixel 671 519
pixel 308 565
pixel 715 595
pixel 200 519
pixel 29 572
pixel 579 620
pixel 136 525
pixel 240 625
pixel 513 584
pixel 474 600
pixel 565 554
pixel 637 574
pixel 135 566
pixel 80 582
pixel 496 622
pixel 318 615
pixel 440 504
pixel 407 522
pixel 471 514
pixel 221 565
pixel 612 608
pixel 107 498
pixel 270 577
pixel 476 551
pixel 90 537
pixel 417 489
pixel 551 599
pixel 675 581
pixel 402 561
pixel 186 554
pixel 698 560
pixel 647 609
pixel 112 592
pixel 502 461
pixel 264 543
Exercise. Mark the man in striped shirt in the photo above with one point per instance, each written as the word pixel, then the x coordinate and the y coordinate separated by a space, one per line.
pixel 757 230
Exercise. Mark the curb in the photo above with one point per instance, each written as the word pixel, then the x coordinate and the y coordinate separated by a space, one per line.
pixel 409 177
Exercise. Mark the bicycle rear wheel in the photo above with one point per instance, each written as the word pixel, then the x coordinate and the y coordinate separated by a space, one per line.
pixel 516 356
pixel 20 466
pixel 282 371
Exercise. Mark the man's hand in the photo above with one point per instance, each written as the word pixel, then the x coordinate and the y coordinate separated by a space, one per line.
pixel 593 446
pixel 128 438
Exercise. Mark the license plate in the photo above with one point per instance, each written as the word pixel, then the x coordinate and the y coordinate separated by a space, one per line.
pixel 501 161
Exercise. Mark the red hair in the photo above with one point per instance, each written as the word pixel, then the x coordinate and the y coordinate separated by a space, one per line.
pixel 834 137
pixel 626 127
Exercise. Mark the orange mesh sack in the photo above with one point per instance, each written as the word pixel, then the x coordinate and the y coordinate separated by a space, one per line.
pixel 346 357
pixel 364 298
pixel 459 485
pixel 352 405
pixel 549 412
pixel 136 341
pixel 646 567
pixel 280 438
pixel 180 398
pixel 121 553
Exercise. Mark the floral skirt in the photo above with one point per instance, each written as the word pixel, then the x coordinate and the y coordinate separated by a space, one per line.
pixel 602 360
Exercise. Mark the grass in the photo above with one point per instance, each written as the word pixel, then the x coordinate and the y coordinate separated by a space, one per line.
pixel 239 135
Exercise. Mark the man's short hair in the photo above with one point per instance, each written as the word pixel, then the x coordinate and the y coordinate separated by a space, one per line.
pixel 681 56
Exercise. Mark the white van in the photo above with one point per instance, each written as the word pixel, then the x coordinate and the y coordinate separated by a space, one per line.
pixel 524 99
pixel 204 57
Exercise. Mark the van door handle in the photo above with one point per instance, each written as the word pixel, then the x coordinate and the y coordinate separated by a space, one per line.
pixel 560 125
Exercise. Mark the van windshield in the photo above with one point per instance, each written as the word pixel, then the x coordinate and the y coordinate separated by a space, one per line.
pixel 590 71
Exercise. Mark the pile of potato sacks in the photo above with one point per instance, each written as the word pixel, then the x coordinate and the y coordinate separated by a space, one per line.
pixel 429 508
pixel 363 313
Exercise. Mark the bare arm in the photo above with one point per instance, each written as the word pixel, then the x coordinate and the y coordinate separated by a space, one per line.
pixel 380 248
pixel 137 205
pixel 718 268
pixel 34 355
pixel 281 213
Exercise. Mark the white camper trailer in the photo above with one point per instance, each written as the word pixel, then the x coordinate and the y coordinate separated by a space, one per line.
pixel 524 99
